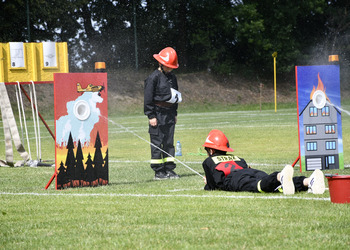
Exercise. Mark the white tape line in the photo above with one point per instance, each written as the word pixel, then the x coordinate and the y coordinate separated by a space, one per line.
pixel 172 195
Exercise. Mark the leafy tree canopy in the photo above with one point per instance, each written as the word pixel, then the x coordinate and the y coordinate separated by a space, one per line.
pixel 223 36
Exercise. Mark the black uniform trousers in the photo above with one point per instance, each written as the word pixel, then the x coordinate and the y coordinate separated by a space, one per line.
pixel 247 180
pixel 162 136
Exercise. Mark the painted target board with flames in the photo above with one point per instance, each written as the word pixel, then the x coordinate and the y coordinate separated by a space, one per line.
pixel 81 126
pixel 319 117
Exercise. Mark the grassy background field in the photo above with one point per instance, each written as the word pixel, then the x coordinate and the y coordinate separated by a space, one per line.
pixel 134 211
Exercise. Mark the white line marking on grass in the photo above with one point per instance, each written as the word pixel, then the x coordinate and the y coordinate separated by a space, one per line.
pixel 127 161
pixel 173 195
pixel 197 162
pixel 200 162
pixel 226 125
pixel 184 189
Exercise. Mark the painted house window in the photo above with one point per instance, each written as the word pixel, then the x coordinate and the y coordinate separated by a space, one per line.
pixel 313 111
pixel 330 160
pixel 330 129
pixel 311 146
pixel 330 145
pixel 325 111
pixel 311 130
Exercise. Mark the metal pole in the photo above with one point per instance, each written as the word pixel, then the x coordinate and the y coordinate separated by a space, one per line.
pixel 261 86
pixel 274 78
pixel 135 38
pixel 28 22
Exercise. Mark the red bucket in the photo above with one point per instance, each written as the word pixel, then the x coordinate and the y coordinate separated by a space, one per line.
pixel 339 188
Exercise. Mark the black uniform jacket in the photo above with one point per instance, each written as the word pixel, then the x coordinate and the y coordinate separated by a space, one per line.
pixel 157 90
pixel 218 167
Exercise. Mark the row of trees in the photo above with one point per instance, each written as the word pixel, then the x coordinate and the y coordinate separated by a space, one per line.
pixel 73 173
pixel 223 36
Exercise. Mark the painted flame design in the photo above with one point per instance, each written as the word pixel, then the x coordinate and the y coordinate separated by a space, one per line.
pixel 320 86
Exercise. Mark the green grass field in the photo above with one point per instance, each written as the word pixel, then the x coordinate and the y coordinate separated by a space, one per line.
pixel 134 211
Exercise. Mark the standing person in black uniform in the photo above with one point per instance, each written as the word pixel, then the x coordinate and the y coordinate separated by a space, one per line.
pixel 231 173
pixel 161 98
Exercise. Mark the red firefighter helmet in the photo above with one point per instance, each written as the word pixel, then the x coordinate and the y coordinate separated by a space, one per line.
pixel 167 57
pixel 217 140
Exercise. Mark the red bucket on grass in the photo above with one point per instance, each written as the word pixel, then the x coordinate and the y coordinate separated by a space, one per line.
pixel 339 188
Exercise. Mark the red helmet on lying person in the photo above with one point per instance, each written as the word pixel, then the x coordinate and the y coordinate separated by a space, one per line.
pixel 217 140
pixel 167 57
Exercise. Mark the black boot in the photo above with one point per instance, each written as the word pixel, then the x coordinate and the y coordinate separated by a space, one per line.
pixel 161 175
pixel 172 174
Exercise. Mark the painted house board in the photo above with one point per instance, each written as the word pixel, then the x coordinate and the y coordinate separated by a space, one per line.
pixel 320 129
pixel 81 128
pixel 320 137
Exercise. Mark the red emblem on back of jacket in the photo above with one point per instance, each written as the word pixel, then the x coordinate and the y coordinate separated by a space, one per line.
pixel 227 167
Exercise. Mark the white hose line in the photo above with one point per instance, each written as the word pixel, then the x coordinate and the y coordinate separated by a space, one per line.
pixel 19 112
pixel 34 121
pixel 37 119
pixel 24 119
pixel 339 108
pixel 130 131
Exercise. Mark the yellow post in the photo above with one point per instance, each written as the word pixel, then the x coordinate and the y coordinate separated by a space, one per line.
pixel 274 55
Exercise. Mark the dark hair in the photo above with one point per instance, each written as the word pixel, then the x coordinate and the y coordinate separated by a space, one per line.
pixel 216 151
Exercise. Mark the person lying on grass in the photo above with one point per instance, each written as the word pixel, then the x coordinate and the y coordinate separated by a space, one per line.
pixel 230 173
